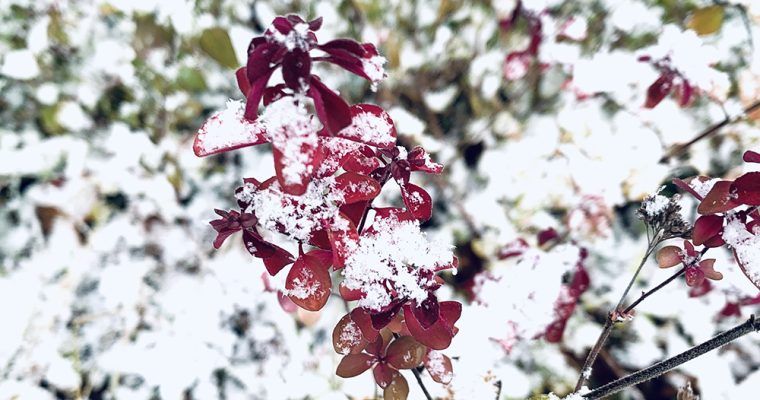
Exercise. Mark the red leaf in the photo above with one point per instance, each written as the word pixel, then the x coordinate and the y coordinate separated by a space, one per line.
pixel 308 283
pixel 242 80
pixel 332 110
pixel 294 179
pixel 747 189
pixel 718 200
pixel 359 163
pixel 705 228
pixel 439 367
pixel 296 69
pixel 347 337
pixel 437 337
pixel 383 374
pixel 227 130
pixel 417 201
pixel 382 318
pixel 357 187
pixel 370 125
pixel 354 364
pixel 427 312
pixel 350 294
pixel 405 353
pixel 398 389
pixel 669 256
pixel 513 249
pixel 363 320
pixel 342 236
pixel 658 90
pixel 751 156
pixel 419 160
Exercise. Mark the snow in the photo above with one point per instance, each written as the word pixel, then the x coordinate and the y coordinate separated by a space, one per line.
pixel 391 256
pixel 20 64
pixel 746 245
pixel 228 128
pixel 368 127
pixel 373 67
pixel 290 129
pixel 298 216
pixel 655 205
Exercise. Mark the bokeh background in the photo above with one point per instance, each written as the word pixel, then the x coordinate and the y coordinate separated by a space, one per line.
pixel 110 288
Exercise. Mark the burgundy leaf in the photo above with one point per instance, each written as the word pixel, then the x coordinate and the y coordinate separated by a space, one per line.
pixel 332 110
pixel 308 283
pixel 347 337
pixel 370 125
pixel 296 69
pixel 751 156
pixel 356 187
pixel 227 130
pixel 361 317
pixel 658 90
pixel 427 312
pixel 718 200
pixel 354 364
pixel 242 80
pixel 417 201
pixel 747 189
pixel 383 317
pixel 705 228
pixel 383 374
pixel 405 353
pixel 398 389
pixel 419 160
pixel 439 367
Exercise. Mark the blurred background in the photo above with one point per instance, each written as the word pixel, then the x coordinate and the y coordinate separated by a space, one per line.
pixel 109 285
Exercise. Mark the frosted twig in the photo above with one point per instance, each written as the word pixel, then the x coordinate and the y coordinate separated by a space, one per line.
pixel 751 325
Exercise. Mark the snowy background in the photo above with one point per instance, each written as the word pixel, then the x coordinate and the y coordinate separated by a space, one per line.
pixel 109 285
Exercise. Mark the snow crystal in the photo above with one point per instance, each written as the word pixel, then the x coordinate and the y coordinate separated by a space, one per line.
pixel 392 255
pixel 746 245
pixel 370 128
pixel 291 130
pixel 228 128
pixel 298 216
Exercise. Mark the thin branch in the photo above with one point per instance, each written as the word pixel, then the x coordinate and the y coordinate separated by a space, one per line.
pixel 751 325
pixel 612 317
pixel 422 385
pixel 651 291
pixel 709 131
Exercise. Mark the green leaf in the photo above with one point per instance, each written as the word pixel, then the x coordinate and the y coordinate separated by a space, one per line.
pixel 706 20
pixel 216 43
pixel 191 79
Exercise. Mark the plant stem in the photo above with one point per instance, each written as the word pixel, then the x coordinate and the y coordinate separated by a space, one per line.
pixel 651 291
pixel 751 325
pixel 709 131
pixel 612 317
pixel 422 385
